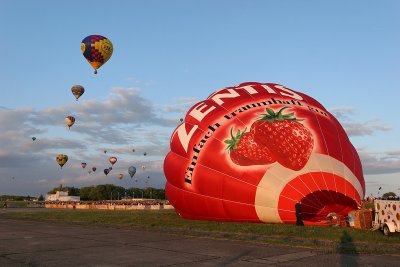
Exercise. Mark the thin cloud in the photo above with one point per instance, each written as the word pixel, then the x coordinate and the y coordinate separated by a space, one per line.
pixel 181 105
pixel 364 129
pixel 46 144
pixel 122 121
pixel 352 128
pixel 380 163
pixel 342 112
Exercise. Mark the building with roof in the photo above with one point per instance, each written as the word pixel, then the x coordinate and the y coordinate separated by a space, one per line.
pixel 62 196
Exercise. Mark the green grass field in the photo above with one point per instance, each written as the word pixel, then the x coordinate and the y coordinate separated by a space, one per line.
pixel 15 204
pixel 330 238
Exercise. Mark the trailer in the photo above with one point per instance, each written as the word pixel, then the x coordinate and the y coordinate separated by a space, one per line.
pixel 387 215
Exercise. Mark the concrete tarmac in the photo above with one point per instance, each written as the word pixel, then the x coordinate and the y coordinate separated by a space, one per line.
pixel 30 243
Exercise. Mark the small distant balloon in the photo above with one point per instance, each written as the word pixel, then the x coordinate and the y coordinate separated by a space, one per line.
pixel 69 120
pixel 97 50
pixel 83 164
pixel 61 159
pixel 110 168
pixel 143 167
pixel 133 150
pixel 120 176
pixel 77 91
pixel 94 169
pixel 145 153
pixel 112 160
pixel 106 171
pixel 181 119
pixel 131 171
pixel 105 151
pixel 33 138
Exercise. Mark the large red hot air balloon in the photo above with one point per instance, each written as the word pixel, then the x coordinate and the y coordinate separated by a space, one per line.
pixel 251 152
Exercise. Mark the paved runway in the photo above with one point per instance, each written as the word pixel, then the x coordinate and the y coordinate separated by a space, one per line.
pixel 28 243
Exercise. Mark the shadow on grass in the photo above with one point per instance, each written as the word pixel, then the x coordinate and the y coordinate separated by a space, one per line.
pixel 347 250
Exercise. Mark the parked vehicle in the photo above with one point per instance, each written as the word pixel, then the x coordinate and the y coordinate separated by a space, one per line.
pixel 387 215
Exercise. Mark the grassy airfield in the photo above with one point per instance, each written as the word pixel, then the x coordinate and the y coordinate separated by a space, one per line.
pixel 338 239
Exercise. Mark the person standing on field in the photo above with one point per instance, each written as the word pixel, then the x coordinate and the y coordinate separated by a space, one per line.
pixel 299 220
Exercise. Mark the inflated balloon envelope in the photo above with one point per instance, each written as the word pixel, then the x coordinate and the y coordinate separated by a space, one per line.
pixel 97 50
pixel 251 152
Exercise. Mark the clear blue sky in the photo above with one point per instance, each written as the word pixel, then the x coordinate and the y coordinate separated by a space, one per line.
pixel 169 55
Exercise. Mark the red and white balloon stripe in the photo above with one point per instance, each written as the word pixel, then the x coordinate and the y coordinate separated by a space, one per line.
pixel 325 185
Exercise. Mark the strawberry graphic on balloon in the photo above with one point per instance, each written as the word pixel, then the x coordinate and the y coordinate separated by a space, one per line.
pixel 274 136
pixel 244 151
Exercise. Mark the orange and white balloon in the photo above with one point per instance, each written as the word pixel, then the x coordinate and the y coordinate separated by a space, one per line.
pixel 69 121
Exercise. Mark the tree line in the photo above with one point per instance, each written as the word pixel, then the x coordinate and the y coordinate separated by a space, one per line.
pixel 16 198
pixel 110 192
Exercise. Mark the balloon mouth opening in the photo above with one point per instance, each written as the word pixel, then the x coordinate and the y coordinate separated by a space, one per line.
pixel 320 206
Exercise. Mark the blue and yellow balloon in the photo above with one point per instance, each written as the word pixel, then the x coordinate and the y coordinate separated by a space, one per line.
pixel 97 50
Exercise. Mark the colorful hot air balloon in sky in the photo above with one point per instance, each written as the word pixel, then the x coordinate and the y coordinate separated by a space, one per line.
pixel 105 151
pixel 61 159
pixel 106 171
pixel 83 164
pixel 69 121
pixel 120 176
pixel 131 171
pixel 94 169
pixel 252 151
pixel 97 50
pixel 112 160
pixel 33 138
pixel 77 91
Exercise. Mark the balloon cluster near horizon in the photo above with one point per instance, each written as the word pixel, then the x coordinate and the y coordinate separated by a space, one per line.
pixel 249 153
